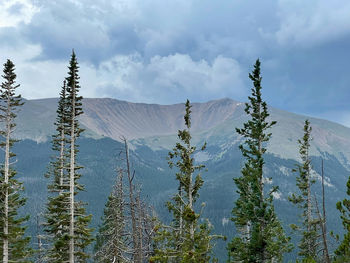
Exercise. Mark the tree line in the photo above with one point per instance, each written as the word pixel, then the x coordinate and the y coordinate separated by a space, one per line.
pixel 130 230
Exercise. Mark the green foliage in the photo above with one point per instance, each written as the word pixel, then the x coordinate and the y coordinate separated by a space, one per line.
pixel 18 244
pixel 57 211
pixel 343 250
pixel 111 240
pixel 186 239
pixel 57 214
pixel 309 242
pixel 10 188
pixel 261 237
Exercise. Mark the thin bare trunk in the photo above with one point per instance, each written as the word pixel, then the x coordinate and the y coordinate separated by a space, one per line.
pixel 62 160
pixel 190 204
pixel 181 211
pixel 119 193
pixel 61 170
pixel 6 181
pixel 323 222
pixel 309 205
pixel 140 228
pixel 261 183
pixel 132 203
pixel 71 180
pixel 40 244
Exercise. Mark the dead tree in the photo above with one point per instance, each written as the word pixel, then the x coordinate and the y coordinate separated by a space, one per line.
pixel 322 220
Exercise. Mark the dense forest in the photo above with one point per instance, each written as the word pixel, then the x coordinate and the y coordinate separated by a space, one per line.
pixel 130 230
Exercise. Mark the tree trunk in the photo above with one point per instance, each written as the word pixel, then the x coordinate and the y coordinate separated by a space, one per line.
pixel 309 205
pixel 323 222
pixel 39 240
pixel 71 180
pixel 190 204
pixel 6 182
pixel 140 228
pixel 132 205
pixel 181 211
pixel 261 184
pixel 62 160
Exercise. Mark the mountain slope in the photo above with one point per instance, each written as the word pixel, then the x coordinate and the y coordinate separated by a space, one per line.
pixel 212 121
pixel 152 130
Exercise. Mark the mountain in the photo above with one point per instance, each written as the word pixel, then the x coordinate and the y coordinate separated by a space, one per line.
pixel 214 121
pixel 151 130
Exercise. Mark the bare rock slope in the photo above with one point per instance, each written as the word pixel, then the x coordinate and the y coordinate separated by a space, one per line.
pixel 213 121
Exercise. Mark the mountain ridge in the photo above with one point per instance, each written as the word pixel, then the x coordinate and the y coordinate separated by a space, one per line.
pixel 213 122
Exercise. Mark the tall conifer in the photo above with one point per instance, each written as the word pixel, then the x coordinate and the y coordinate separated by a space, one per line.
pixel 309 242
pixel 185 240
pixel 342 253
pixel 112 238
pixel 57 216
pixel 127 224
pixel 260 236
pixel 13 244
pixel 79 233
pixel 66 219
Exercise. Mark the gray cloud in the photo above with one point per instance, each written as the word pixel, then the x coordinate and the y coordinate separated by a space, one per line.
pixel 310 23
pixel 165 51
pixel 171 79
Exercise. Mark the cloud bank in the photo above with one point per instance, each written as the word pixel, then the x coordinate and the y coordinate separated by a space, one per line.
pixel 166 51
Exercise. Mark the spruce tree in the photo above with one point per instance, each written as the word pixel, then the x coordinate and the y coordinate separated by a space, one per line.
pixel 67 223
pixel 185 239
pixel 309 242
pixel 260 236
pixel 13 244
pixel 342 253
pixel 112 238
pixel 57 216
pixel 127 225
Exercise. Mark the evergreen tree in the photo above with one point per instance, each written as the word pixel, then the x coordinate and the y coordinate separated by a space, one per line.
pixel 342 253
pixel 127 225
pixel 309 243
pixel 67 223
pixel 261 237
pixel 185 240
pixel 111 241
pixel 57 214
pixel 13 244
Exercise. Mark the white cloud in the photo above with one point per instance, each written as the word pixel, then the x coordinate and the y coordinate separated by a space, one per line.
pixel 165 51
pixel 43 79
pixel 14 12
pixel 169 79
pixel 312 22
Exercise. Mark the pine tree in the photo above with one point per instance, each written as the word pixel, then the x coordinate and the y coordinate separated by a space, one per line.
pixel 67 223
pixel 57 216
pixel 342 253
pixel 79 233
pixel 112 238
pixel 309 243
pixel 13 244
pixel 127 225
pixel 185 240
pixel 261 237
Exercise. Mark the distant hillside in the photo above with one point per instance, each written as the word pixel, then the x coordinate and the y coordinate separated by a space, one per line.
pixel 152 130
pixel 113 118
pixel 213 121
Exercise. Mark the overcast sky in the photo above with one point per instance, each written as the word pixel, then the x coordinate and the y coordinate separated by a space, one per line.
pixel 165 51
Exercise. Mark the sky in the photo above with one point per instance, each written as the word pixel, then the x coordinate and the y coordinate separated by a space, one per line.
pixel 165 51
